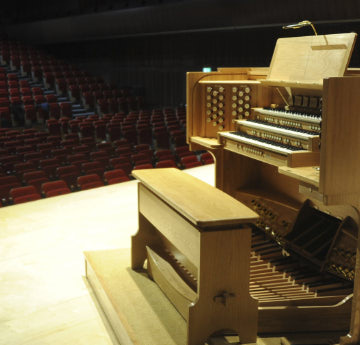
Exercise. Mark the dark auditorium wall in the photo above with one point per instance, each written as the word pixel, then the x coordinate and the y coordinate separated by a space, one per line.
pixel 159 63
pixel 153 47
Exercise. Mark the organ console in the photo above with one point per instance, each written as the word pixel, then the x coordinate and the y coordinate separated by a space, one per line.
pixel 285 142
pixel 287 147
pixel 274 249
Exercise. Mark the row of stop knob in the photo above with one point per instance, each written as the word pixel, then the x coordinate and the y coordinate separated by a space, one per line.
pixel 215 103
pixel 240 101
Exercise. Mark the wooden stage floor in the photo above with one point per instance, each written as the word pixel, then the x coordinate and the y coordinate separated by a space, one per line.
pixel 44 297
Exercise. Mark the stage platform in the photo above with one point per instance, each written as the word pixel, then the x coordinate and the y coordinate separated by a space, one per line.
pixel 44 295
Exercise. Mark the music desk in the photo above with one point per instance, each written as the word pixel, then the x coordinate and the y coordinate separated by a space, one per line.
pixel 196 240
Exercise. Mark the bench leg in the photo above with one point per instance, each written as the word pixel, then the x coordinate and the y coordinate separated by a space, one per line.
pixel 224 301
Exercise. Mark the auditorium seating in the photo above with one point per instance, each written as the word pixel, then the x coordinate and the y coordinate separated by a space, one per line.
pixel 120 135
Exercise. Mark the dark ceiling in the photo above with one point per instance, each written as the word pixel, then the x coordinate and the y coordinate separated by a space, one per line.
pixel 48 22
pixel 15 12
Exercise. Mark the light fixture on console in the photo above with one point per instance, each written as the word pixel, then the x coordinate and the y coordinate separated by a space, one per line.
pixel 300 25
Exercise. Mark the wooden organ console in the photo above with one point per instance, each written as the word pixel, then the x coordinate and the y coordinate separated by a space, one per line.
pixel 285 141
pixel 286 146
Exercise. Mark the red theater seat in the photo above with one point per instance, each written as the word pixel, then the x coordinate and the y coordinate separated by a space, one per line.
pixel 192 165
pixel 115 176
pixel 21 168
pixel 29 113
pixel 141 158
pixel 77 159
pixel 206 158
pixel 37 91
pixel 69 174
pixel 119 160
pixel 55 188
pixel 49 165
pixel 33 157
pixel 127 167
pixel 54 111
pixel 100 130
pixel 56 192
pixel 114 131
pixel 6 184
pixel 100 156
pixel 92 168
pixel 166 164
pixel 89 181
pixel 51 98
pixel 23 191
pixel 143 166
pixel 26 198
pixel 53 127
pixel 37 183
pixel 189 159
pixel 66 109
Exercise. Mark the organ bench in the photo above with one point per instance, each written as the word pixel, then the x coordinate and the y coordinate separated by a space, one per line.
pixel 197 243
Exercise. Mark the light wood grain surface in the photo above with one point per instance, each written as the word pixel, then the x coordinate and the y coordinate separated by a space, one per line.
pixel 310 59
pixel 187 195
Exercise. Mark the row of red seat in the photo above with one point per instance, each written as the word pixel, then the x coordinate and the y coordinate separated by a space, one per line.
pixel 136 128
pixel 78 166
pixel 34 146
pixel 37 188
pixel 19 159
pixel 74 178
